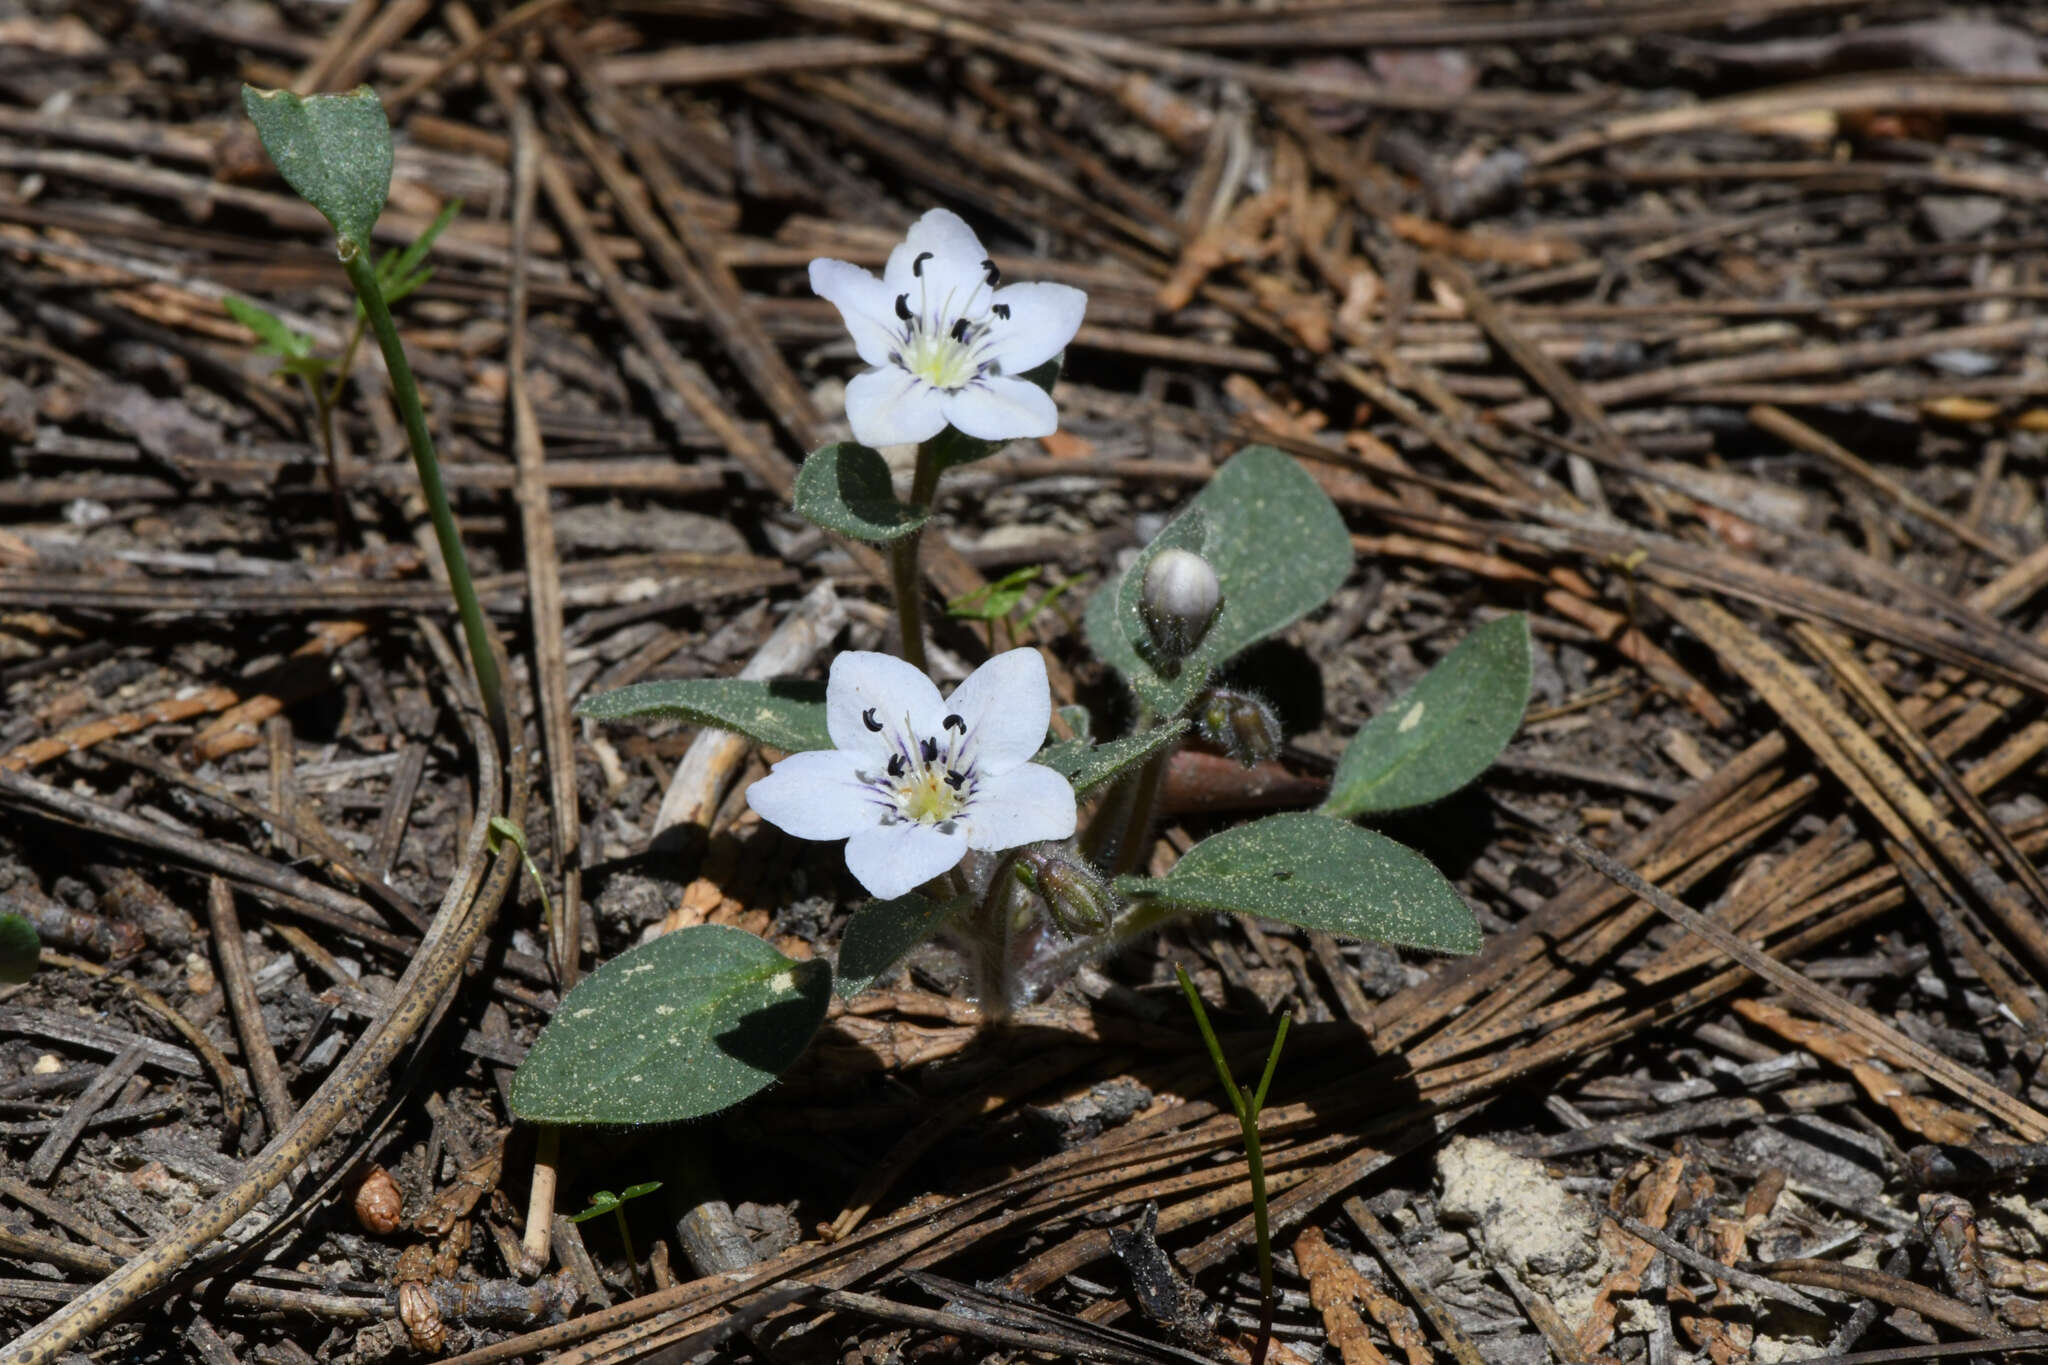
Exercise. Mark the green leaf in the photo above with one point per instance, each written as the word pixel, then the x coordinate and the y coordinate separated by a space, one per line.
pixel 995 600
pixel 1079 721
pixel 951 447
pixel 783 714
pixel 335 150
pixel 20 949
pixel 312 368
pixel 402 273
pixel 1444 731
pixel 1279 549
pixel 679 1028
pixel 845 487
pixel 1089 766
pixel 277 339
pixel 881 932
pixel 1319 873
pixel 603 1202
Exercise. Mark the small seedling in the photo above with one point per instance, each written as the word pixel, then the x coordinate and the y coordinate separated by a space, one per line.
pixel 399 273
pixel 603 1202
pixel 335 151
pixel 997 603
pixel 496 835
pixel 1247 1102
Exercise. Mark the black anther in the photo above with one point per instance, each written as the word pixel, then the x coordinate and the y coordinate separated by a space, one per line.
pixel 917 266
pixel 954 723
pixel 993 273
pixel 930 749
pixel 867 718
pixel 1001 310
pixel 903 306
pixel 960 330
pixel 895 765
pixel 954 779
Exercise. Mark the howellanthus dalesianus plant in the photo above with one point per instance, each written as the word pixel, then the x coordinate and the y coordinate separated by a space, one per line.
pixel 963 818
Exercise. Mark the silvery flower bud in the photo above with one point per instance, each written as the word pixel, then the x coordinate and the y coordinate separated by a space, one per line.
pixel 1074 892
pixel 1179 601
pixel 1241 724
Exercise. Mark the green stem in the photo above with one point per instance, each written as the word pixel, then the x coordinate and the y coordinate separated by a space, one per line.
pixel 363 275
pixel 904 578
pixel 1247 1103
pixel 1144 797
pixel 323 413
pixel 626 1240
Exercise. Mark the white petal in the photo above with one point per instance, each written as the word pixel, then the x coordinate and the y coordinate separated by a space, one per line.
pixel 864 302
pixel 902 701
pixel 1022 806
pixel 995 409
pixel 1007 703
pixel 951 273
pixel 891 406
pixel 815 795
pixel 1043 319
pixel 893 859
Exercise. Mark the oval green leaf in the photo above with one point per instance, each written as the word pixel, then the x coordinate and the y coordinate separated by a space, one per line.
pixel 783 714
pixel 1323 874
pixel 679 1028
pixel 846 487
pixel 881 932
pixel 1444 731
pixel 335 150
pixel 1279 549
pixel 20 949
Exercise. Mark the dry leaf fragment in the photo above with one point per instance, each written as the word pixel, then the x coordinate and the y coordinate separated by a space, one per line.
pixel 1933 1120
pixel 1333 1284
pixel 380 1205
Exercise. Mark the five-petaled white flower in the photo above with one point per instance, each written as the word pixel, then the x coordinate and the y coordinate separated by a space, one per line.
pixel 915 782
pixel 948 346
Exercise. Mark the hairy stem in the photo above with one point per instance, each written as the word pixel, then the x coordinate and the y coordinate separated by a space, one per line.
pixel 1134 843
pixel 363 275
pixel 904 579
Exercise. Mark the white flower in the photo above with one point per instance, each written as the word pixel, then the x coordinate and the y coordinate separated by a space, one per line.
pixel 947 344
pixel 914 782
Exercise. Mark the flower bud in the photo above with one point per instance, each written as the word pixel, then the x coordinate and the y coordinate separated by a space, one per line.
pixel 1241 724
pixel 1179 601
pixel 1077 896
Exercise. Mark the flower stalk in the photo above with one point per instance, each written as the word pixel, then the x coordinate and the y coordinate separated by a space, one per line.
pixel 904 577
pixel 362 274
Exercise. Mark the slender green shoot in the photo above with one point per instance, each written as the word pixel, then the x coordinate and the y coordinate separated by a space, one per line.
pixel 496 834
pixel 604 1201
pixel 1247 1103
pixel 406 390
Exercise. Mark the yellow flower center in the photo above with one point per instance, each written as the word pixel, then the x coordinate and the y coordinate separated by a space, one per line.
pixel 926 797
pixel 939 360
